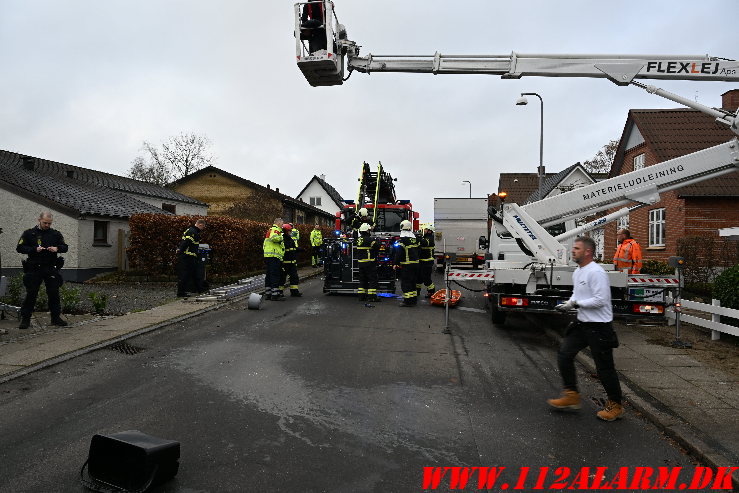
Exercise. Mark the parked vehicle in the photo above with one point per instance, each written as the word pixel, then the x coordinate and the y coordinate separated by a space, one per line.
pixel 462 229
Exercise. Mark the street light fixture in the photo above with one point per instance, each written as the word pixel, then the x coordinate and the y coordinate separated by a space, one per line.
pixel 470 184
pixel 522 101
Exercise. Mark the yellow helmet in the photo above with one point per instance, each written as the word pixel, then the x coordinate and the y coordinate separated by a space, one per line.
pixel 363 212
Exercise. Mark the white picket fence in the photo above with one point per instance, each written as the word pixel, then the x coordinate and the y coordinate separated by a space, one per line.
pixel 715 310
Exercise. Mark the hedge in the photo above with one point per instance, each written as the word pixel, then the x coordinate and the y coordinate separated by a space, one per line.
pixel 236 244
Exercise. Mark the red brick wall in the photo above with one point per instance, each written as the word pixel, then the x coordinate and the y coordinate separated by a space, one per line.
pixel 692 216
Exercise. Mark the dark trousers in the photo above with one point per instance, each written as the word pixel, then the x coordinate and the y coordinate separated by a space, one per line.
pixel 32 281
pixel 289 271
pixel 368 278
pixel 425 268
pixel 408 281
pixel 316 255
pixel 273 273
pixel 188 279
pixel 600 338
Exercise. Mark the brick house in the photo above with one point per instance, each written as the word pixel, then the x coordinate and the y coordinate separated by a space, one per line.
pixel 223 191
pixel 91 209
pixel 658 135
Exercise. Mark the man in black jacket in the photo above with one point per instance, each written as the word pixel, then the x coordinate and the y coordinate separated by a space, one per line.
pixel 426 261
pixel 290 261
pixel 187 260
pixel 42 244
pixel 367 250
pixel 405 258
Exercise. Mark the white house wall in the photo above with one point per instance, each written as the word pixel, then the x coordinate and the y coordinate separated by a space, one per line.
pixel 19 214
pixel 314 189
pixel 182 208
pixel 96 257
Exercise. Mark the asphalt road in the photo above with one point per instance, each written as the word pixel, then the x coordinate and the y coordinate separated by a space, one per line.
pixel 319 393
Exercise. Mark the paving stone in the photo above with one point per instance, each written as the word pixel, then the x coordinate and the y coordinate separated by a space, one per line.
pixel 703 374
pixel 687 397
pixel 670 360
pixel 656 379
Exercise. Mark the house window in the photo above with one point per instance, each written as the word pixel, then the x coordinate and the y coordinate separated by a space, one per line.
pixel 100 233
pixel 622 223
pixel 657 228
pixel 314 201
pixel 170 208
pixel 639 161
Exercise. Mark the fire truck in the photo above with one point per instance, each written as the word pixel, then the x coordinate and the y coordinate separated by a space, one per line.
pixel 527 268
pixel 384 212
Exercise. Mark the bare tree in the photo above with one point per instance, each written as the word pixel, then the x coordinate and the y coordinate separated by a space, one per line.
pixel 603 160
pixel 179 156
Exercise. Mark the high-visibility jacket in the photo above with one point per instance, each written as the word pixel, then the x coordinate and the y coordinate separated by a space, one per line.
pixel 367 248
pixel 406 251
pixel 426 247
pixel 295 234
pixel 273 243
pixel 189 242
pixel 291 250
pixel 316 238
pixel 628 256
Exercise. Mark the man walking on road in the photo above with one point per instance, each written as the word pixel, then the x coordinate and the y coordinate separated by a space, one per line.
pixel 591 297
pixel 42 244
pixel 628 253
pixel 274 251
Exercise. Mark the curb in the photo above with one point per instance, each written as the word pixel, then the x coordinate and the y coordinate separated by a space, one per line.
pixel 672 426
pixel 109 342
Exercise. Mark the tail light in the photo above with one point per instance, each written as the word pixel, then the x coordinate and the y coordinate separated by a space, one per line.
pixel 645 308
pixel 513 301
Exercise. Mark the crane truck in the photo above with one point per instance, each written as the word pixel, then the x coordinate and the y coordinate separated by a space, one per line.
pixel 526 267
pixel 385 212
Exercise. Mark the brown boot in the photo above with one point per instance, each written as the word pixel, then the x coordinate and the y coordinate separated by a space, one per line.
pixel 570 400
pixel 611 412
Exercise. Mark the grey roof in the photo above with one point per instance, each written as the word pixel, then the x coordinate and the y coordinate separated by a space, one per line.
pixel 551 181
pixel 92 193
pixel 331 191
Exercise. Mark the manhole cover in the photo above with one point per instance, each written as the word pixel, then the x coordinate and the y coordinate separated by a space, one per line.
pixel 125 348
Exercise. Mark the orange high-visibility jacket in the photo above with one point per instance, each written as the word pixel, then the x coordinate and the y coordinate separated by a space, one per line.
pixel 628 255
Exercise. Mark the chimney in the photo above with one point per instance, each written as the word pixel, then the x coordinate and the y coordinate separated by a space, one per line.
pixel 29 162
pixel 730 100
pixel 277 189
pixel 323 177
pixel 268 187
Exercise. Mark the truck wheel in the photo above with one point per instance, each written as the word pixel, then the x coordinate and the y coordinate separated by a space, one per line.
pixel 498 316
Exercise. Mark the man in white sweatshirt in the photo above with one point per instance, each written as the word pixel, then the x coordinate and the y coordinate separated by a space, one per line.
pixel 591 297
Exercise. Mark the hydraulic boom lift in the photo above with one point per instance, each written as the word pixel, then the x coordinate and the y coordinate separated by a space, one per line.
pixel 528 268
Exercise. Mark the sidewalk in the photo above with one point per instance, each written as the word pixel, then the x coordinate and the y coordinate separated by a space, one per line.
pixel 692 403
pixel 25 351
pixel 689 401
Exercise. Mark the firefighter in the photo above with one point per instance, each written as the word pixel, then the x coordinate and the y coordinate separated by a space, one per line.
pixel 367 250
pixel 42 244
pixel 274 251
pixel 628 253
pixel 316 241
pixel 406 259
pixel 295 233
pixel 426 260
pixel 312 27
pixel 290 262
pixel 187 259
pixel 361 217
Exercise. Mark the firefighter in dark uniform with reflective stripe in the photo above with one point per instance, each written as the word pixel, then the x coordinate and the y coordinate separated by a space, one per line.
pixel 312 27
pixel 42 244
pixel 290 261
pixel 406 258
pixel 187 260
pixel 426 261
pixel 367 250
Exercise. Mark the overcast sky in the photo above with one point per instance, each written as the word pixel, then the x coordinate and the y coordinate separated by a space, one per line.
pixel 86 81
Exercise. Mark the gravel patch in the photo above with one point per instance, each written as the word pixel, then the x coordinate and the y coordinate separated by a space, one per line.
pixel 126 297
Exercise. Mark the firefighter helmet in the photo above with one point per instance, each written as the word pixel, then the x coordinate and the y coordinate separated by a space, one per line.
pixel 287 227
pixel 430 227
pixel 406 225
pixel 363 212
pixel 364 227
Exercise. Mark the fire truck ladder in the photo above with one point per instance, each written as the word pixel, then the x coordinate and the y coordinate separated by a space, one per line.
pixel 375 188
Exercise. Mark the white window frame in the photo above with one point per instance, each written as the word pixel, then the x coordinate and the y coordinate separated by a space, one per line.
pixel 315 201
pixel 623 222
pixel 639 161
pixel 657 227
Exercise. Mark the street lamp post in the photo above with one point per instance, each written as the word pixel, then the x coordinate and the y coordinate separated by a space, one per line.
pixel 523 101
pixel 470 184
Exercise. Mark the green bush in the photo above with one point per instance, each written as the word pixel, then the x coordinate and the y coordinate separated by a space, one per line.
pixel 99 302
pixel 70 298
pixel 14 294
pixel 656 268
pixel 726 287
